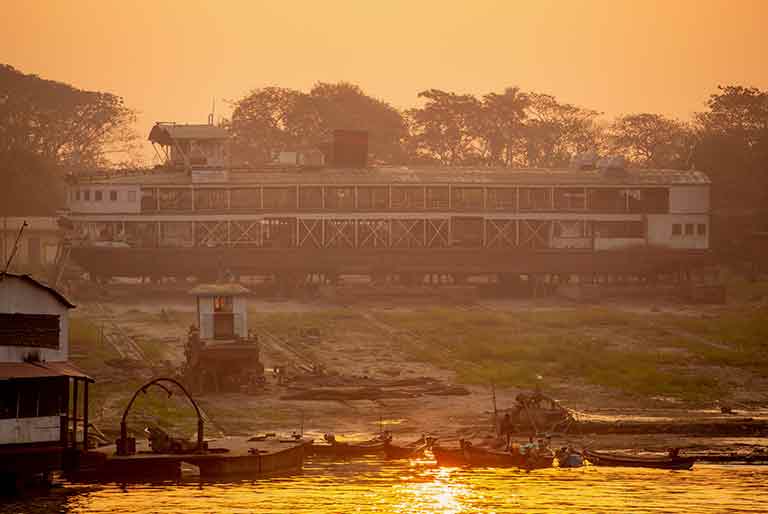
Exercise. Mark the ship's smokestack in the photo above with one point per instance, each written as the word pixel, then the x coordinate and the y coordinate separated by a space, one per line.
pixel 350 149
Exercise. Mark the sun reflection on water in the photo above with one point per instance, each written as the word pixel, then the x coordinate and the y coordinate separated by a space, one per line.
pixel 376 486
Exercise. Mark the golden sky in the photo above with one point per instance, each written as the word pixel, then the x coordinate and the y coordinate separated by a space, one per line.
pixel 169 58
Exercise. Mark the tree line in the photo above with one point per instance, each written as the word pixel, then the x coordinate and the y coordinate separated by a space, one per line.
pixel 48 128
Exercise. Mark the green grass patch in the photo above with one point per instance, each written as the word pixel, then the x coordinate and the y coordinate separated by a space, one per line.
pixel 616 350
pixel 88 349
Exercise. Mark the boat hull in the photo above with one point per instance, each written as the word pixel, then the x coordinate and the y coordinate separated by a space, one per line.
pixel 604 459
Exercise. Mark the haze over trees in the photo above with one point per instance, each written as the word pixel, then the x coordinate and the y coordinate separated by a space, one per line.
pixel 48 128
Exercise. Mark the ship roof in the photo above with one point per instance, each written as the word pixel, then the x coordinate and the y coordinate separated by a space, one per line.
pixel 221 289
pixel 165 133
pixel 275 176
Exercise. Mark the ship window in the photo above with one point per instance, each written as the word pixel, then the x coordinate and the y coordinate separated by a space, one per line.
pixel 619 229
pixel 689 229
pixel 677 229
pixel 97 196
pixel 113 196
pixel 702 229
pixel 77 195
pixel 87 195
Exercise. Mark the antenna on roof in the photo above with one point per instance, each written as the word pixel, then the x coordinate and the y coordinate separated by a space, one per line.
pixel 213 111
pixel 15 247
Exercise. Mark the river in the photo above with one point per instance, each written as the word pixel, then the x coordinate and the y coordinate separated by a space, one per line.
pixel 375 486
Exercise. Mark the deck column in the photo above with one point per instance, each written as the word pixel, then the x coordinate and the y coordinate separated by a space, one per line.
pixel 85 415
pixel 74 413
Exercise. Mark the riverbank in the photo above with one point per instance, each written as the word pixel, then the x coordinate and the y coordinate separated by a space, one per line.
pixel 420 366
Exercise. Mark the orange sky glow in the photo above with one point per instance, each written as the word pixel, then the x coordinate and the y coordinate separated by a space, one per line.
pixel 169 58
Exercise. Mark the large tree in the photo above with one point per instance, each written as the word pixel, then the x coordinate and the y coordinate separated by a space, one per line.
pixel 48 128
pixel 264 122
pixel 555 131
pixel 71 127
pixel 732 147
pixel 446 127
pixel 273 119
pixel 652 140
pixel 501 125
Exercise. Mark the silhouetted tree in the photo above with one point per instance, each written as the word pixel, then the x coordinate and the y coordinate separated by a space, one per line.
pixel 64 125
pixel 501 126
pixel 555 131
pixel 652 140
pixel 446 127
pixel 48 128
pixel 273 119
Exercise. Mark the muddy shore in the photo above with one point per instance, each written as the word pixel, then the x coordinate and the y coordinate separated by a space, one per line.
pixel 372 383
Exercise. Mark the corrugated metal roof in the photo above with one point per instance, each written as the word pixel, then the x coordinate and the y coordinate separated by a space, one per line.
pixel 163 133
pixel 27 278
pixel 420 176
pixel 228 289
pixel 22 370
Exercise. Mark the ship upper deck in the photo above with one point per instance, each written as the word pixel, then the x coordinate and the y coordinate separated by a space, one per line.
pixel 403 175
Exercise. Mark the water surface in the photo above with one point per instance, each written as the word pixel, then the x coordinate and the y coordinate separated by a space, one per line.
pixel 374 486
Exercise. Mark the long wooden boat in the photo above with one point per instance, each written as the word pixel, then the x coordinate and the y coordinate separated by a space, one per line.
pixel 469 455
pixel 413 450
pixel 334 448
pixel 449 457
pixel 636 461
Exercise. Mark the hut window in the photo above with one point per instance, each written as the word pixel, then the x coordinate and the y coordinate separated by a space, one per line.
pixel 113 196
pixel 677 229
pixel 222 304
pixel 702 229
pixel 689 229
pixel 97 195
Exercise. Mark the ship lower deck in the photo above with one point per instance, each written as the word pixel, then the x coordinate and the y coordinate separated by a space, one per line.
pixel 197 262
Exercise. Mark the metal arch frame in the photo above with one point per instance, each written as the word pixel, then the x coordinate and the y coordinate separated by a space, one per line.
pixel 157 382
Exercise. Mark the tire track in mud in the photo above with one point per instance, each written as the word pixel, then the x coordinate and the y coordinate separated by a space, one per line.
pixel 123 344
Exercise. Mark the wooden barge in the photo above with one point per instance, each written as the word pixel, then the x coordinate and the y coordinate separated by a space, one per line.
pixel 236 456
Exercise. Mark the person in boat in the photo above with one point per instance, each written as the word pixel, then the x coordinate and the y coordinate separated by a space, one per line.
pixel 528 447
pixel 505 429
pixel 674 453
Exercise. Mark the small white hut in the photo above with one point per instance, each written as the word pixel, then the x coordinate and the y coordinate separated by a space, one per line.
pixel 222 311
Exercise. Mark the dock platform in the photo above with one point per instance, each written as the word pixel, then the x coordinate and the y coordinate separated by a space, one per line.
pixel 225 456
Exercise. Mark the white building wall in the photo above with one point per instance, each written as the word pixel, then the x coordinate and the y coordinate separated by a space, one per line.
pixel 43 429
pixel 128 198
pixel 19 296
pixel 206 317
pixel 661 228
pixel 241 316
pixel 618 243
pixel 689 199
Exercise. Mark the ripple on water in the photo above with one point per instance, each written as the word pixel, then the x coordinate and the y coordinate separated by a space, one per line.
pixel 379 487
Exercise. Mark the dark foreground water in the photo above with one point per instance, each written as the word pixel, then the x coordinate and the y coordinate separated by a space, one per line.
pixel 420 487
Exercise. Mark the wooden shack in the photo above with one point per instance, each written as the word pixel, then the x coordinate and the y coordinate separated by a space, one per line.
pixel 43 397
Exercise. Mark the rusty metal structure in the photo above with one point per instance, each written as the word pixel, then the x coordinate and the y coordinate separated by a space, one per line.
pixel 196 215
pixel 127 445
